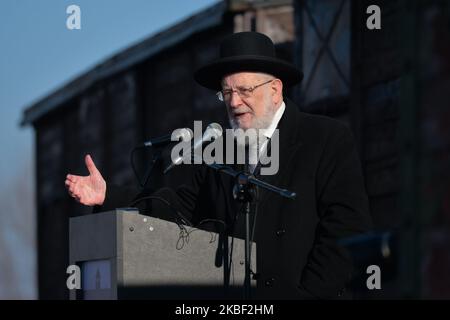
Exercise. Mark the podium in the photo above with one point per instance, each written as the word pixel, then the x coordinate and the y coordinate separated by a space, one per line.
pixel 125 255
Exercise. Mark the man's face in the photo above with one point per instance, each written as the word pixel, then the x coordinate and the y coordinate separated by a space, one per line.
pixel 251 109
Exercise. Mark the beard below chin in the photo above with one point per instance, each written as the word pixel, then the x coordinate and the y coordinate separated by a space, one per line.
pixel 250 139
pixel 257 123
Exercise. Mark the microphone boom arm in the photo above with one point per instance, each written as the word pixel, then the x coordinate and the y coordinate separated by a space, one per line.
pixel 245 178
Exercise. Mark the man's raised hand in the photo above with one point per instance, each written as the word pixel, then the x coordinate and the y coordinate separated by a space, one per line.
pixel 88 190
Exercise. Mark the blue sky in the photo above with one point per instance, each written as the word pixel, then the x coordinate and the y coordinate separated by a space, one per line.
pixel 39 54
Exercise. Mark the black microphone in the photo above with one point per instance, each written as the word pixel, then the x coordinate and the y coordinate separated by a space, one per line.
pixel 213 131
pixel 184 134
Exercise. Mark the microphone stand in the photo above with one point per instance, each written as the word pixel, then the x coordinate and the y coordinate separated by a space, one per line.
pixel 244 192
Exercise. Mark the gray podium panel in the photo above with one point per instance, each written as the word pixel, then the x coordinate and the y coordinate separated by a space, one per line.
pixel 123 254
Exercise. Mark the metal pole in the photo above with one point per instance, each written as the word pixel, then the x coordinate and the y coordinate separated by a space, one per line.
pixel 247 286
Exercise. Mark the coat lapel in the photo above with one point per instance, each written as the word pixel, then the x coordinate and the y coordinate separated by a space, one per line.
pixel 289 142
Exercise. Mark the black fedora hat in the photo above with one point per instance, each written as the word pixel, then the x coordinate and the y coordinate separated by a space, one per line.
pixel 247 51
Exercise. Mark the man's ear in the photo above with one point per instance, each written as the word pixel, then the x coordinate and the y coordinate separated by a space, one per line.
pixel 277 86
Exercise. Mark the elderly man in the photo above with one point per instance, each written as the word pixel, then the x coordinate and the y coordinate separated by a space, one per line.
pixel 298 255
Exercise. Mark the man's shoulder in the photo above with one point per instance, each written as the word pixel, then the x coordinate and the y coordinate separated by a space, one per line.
pixel 322 123
pixel 313 123
pixel 323 127
pixel 315 130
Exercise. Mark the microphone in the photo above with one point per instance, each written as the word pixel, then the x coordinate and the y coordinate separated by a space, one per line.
pixel 213 131
pixel 183 134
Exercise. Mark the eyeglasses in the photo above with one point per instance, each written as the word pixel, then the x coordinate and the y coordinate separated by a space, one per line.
pixel 243 92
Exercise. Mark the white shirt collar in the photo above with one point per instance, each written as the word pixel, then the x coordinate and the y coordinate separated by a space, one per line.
pixel 276 118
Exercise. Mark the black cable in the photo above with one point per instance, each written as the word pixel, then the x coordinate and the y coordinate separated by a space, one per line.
pixel 204 221
pixel 230 264
pixel 155 157
pixel 213 220
pixel 184 233
pixel 253 227
pixel 185 237
pixel 178 213
pixel 133 166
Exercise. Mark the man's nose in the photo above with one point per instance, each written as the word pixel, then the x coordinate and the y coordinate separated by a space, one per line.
pixel 235 100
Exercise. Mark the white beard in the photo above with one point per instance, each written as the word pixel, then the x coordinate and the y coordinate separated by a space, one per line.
pixel 261 123
pixel 253 139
